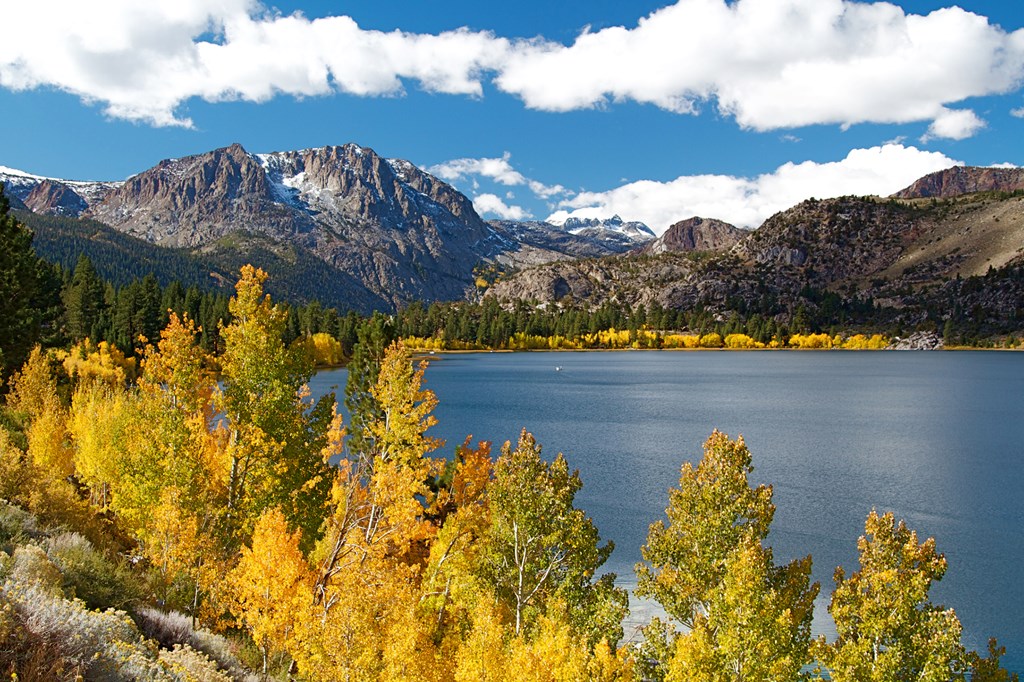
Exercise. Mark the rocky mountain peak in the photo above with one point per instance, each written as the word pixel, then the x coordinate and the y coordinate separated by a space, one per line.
pixel 55 198
pixel 194 199
pixel 960 180
pixel 696 234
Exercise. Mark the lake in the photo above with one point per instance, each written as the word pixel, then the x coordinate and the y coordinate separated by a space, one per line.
pixel 937 438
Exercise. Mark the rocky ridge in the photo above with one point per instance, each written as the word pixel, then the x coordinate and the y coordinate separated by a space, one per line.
pixel 908 260
pixel 696 234
pixel 960 180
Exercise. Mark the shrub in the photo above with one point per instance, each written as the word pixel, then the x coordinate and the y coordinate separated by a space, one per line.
pixel 16 525
pixel 197 666
pixel 90 576
pixel 174 630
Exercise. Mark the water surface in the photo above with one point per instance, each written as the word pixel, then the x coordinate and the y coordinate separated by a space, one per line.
pixel 937 438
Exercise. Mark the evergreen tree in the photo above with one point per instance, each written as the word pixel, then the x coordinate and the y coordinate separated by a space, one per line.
pixel 24 286
pixel 375 335
pixel 84 300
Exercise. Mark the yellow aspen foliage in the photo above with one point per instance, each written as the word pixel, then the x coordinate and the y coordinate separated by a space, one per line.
pixel 712 340
pixel 324 349
pixel 276 439
pixel 888 629
pixel 180 548
pixel 542 551
pixel 420 343
pixel 346 635
pixel 483 656
pixel 608 665
pixel 269 588
pixel 553 654
pixel 741 341
pixel 757 625
pixel 450 589
pixel 708 515
pixel 34 393
pixel 364 623
pixel 34 388
pixel 811 341
pixel 49 446
pixel 16 472
pixel 99 418
pixel 862 342
pixel 88 361
pixel 177 367
pixel 681 341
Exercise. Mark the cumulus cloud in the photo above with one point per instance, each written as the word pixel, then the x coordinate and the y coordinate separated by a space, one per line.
pixel 954 124
pixel 498 170
pixel 1018 113
pixel 781 63
pixel 143 60
pixel 747 202
pixel 770 64
pixel 492 205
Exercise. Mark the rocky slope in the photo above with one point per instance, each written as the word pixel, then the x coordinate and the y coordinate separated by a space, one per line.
pixel 696 234
pixel 916 259
pixel 960 180
pixel 536 242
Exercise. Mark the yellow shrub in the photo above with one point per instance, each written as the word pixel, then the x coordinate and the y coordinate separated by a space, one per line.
pixel 681 341
pixel 87 361
pixel 741 341
pixel 712 340
pixel 810 341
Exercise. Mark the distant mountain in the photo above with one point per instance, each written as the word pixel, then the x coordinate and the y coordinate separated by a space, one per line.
pixel 51 196
pixel 907 261
pixel 535 242
pixel 368 232
pixel 614 228
pixel 696 234
pixel 960 180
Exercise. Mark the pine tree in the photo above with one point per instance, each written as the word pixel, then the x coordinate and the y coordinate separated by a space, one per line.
pixel 24 304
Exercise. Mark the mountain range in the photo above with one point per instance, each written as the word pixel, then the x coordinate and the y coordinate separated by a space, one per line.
pixel 356 230
pixel 387 231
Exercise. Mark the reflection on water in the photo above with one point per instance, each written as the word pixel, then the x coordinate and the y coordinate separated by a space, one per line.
pixel 934 437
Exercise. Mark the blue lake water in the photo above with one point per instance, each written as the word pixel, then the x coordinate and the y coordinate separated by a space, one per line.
pixel 937 438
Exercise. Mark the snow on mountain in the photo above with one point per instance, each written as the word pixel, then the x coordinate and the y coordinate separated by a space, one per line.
pixel 53 195
pixel 634 230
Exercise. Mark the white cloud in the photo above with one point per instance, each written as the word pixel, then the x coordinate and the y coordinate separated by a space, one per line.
pixel 492 204
pixel 954 124
pixel 779 63
pixel 768 63
pixel 143 60
pixel 747 202
pixel 498 170
pixel 1019 113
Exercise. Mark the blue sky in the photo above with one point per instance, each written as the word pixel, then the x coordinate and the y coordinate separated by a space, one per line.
pixel 653 110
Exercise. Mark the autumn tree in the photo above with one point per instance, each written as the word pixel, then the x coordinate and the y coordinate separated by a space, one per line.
pixel 34 393
pixel 365 622
pixel 888 630
pixel 278 442
pixel 745 617
pixel 541 549
pixel 269 588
